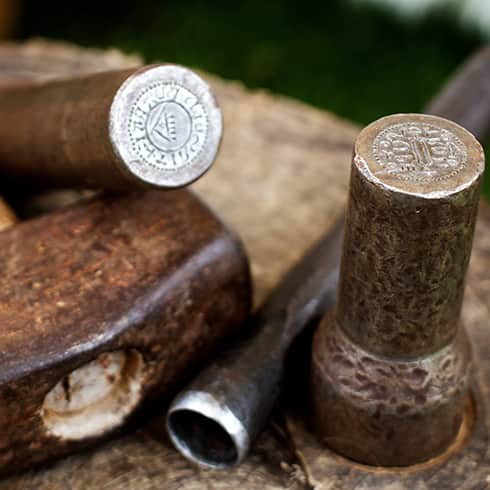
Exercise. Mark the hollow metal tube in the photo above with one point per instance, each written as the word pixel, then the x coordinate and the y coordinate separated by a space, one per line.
pixel 215 419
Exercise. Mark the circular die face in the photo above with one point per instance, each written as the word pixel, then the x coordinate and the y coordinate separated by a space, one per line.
pixel 165 126
pixel 419 154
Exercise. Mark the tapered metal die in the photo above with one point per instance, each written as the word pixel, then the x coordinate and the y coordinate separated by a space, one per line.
pixel 390 367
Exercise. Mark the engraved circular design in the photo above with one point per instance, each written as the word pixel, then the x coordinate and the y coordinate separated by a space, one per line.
pixel 416 151
pixel 167 126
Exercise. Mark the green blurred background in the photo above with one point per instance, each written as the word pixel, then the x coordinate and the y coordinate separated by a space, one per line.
pixel 357 60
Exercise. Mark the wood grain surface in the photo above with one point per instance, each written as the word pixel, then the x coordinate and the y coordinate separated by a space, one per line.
pixel 280 180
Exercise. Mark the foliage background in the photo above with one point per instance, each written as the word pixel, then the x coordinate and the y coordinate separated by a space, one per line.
pixel 354 59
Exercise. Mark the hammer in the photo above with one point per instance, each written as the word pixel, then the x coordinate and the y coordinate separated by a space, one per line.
pixel 7 216
pixel 105 305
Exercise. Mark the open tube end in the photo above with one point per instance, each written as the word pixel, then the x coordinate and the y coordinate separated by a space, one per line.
pixel 206 432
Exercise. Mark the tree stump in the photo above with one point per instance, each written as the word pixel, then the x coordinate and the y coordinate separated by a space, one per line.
pixel 280 181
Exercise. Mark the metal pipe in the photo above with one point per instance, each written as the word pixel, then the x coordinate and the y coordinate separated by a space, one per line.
pixel 156 126
pixel 215 419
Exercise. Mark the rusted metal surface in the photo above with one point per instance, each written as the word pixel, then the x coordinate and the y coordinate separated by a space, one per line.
pixel 219 394
pixel 465 464
pixel 391 366
pixel 214 420
pixel 154 126
pixel 104 305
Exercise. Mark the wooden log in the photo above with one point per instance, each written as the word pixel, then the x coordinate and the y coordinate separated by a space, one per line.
pixel 280 180
pixel 10 11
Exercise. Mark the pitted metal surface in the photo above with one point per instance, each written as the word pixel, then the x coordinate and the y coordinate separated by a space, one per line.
pixel 391 367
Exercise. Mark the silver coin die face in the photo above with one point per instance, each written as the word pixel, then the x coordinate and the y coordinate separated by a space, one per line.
pixel 165 125
pixel 420 155
pixel 419 152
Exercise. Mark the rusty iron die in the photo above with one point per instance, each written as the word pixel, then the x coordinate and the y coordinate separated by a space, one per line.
pixel 214 420
pixel 105 305
pixel 390 368
pixel 155 126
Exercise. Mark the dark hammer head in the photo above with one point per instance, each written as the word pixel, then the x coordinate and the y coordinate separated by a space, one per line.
pixel 103 305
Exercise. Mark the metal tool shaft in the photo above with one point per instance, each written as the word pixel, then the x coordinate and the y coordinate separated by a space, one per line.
pixel 155 126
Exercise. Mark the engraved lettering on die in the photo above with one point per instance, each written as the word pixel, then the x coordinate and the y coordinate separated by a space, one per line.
pixel 168 126
pixel 418 152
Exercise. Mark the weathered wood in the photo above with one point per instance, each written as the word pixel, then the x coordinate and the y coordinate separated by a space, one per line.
pixel 280 180
pixel 10 11
pixel 7 216
pixel 41 60
pixel 104 130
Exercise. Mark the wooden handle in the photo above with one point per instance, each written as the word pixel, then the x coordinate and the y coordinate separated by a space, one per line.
pixel 465 98
pixel 106 304
pixel 7 216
